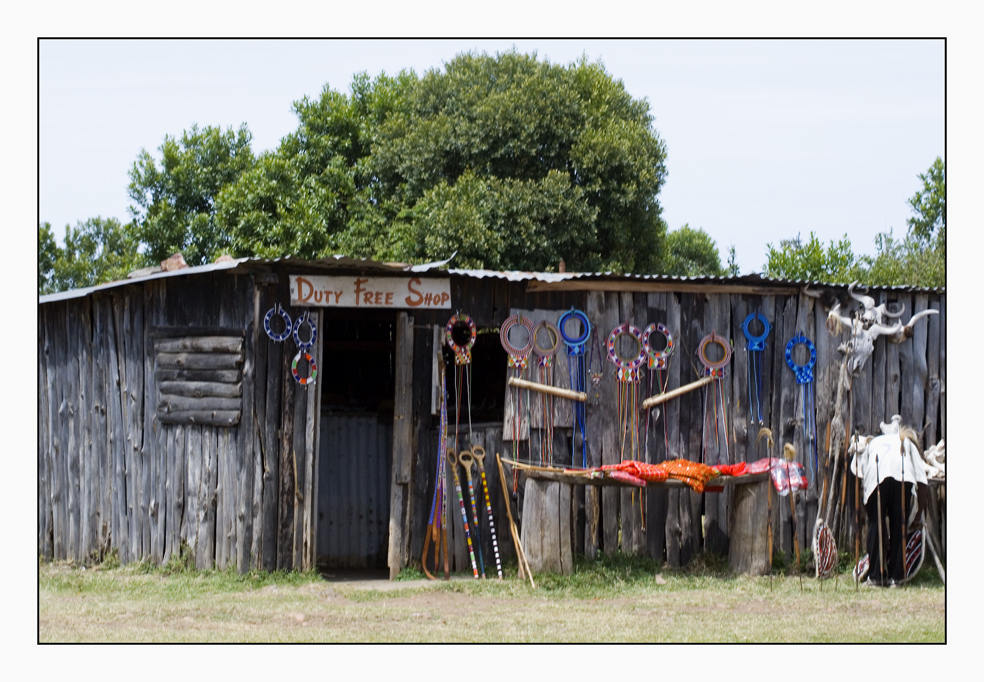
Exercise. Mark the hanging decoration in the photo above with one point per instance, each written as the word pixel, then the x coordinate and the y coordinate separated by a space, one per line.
pixel 804 377
pixel 517 362
pixel 595 372
pixel 304 350
pixel 658 361
pixel 576 352
pixel 437 529
pixel 478 452
pixel 462 366
pixel 714 369
pixel 753 347
pixel 628 372
pixel 544 364
pixel 465 459
pixel 285 334
pixel 453 459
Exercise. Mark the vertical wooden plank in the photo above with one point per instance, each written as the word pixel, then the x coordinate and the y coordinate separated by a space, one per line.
pixel 566 556
pixel 892 378
pixel 403 445
pixel 137 501
pixel 866 418
pixel 932 422
pixel 743 413
pixel 153 471
pixel 603 313
pixel 916 370
pixel 120 444
pixel 89 409
pixel 942 431
pixel 784 409
pixel 246 443
pixel 205 547
pixel 74 396
pixel 45 545
pixel 717 318
pixel 692 307
pixel 298 448
pixel 656 435
pixel 810 438
pixel 632 537
pixel 108 394
pixel 194 454
pixel 679 367
pixel 257 409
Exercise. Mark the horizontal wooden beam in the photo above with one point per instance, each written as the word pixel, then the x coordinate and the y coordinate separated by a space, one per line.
pixel 200 344
pixel 201 389
pixel 645 286
pixel 199 360
pixel 201 418
pixel 224 376
pixel 169 404
pixel 170 332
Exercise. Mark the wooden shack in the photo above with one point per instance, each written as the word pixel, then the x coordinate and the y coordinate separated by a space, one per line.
pixel 169 420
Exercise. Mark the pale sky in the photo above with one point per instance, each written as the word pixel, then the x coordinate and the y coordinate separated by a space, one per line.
pixel 765 138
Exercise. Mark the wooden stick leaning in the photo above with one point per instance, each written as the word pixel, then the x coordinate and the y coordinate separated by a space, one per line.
pixel 577 396
pixel 663 397
pixel 520 554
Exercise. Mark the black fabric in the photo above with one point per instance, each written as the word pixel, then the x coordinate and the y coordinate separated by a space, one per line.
pixel 891 505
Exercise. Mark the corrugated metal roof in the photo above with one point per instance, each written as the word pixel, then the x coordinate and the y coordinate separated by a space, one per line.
pixel 341 261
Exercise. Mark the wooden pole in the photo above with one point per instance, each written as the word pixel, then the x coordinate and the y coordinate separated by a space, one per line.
pixel 663 397
pixel 550 390
pixel 520 554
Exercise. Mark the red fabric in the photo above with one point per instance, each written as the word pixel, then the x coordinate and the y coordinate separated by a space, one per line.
pixel 643 470
pixel 626 477
pixel 739 469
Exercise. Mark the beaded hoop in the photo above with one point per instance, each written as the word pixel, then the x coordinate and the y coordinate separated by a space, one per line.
pixel 277 310
pixel 658 358
pixel 511 322
pixel 305 345
pixel 545 355
pixel 462 354
pixel 574 346
pixel 804 373
pixel 756 342
pixel 311 363
pixel 618 360
pixel 714 369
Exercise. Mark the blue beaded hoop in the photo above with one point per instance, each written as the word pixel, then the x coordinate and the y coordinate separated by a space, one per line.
pixel 575 346
pixel 305 345
pixel 277 310
pixel 804 373
pixel 658 358
pixel 756 342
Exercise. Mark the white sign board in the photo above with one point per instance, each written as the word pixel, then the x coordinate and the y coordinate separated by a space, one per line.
pixel 369 292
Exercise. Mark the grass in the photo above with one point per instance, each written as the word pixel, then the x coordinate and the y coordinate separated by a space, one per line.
pixel 615 599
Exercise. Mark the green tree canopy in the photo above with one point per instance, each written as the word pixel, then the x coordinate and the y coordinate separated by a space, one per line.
pixel 929 204
pixel 96 250
pixel 175 202
pixel 794 259
pixel 692 253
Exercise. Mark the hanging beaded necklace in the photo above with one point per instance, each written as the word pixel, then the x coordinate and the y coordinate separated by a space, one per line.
pixel 518 362
pixel 753 347
pixel 658 361
pixel 715 369
pixel 544 363
pixel 576 369
pixel 804 377
pixel 628 372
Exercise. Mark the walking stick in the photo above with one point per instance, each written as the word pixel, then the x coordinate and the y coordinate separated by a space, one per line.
pixel 478 452
pixel 520 554
pixel 464 515
pixel 881 520
pixel 790 453
pixel 905 540
pixel 857 524
pixel 465 459
pixel 769 444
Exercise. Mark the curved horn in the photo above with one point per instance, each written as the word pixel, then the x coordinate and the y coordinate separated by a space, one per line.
pixel 921 314
pixel 876 330
pixel 889 313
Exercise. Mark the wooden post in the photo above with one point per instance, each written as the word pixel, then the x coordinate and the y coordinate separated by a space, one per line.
pixel 403 419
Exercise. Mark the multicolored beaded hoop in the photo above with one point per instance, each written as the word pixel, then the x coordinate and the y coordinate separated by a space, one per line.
pixel 305 318
pixel 545 355
pixel 462 354
pixel 658 358
pixel 518 357
pixel 628 369
pixel 311 363
pixel 277 310
pixel 711 368
pixel 574 346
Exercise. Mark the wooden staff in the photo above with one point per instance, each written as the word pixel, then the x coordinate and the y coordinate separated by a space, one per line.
pixel 789 453
pixel 857 522
pixel 663 397
pixel 550 390
pixel 520 554
pixel 478 452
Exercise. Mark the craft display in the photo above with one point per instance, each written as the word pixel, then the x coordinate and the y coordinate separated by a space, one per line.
pixel 462 366
pixel 576 369
pixel 595 369
pixel 754 345
pixel 453 459
pixel 714 370
pixel 524 564
pixel 437 524
pixel 517 361
pixel 466 460
pixel 658 362
pixel 804 377
pixel 278 311
pixel 544 365
pixel 312 368
pixel 627 373
pixel 478 452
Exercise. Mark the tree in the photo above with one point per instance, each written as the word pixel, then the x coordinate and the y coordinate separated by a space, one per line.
pixel 175 202
pixel 566 148
pixel 96 251
pixel 48 253
pixel 812 262
pixel 929 204
pixel 692 253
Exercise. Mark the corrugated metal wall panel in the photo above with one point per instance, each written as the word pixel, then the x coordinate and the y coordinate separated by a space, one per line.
pixel 354 477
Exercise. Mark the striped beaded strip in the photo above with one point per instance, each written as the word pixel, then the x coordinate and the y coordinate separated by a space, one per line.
pixel 462 354
pixel 464 515
pixel 488 503
pixel 305 318
pixel 309 381
pixel 277 310
pixel 658 358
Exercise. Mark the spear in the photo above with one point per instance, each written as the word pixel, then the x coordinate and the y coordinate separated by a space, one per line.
pixel 790 453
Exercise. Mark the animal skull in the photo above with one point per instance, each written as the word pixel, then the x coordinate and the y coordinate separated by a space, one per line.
pixel 866 327
pixel 935 458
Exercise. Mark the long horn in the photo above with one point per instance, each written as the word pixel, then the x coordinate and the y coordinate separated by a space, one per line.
pixel 899 313
pixel 921 314
pixel 866 301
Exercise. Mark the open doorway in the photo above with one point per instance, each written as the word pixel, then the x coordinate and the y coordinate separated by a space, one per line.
pixel 356 442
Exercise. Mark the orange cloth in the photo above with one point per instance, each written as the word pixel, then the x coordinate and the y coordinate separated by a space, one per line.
pixel 694 474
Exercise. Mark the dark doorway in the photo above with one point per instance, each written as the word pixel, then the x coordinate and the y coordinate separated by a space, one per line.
pixel 356 441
